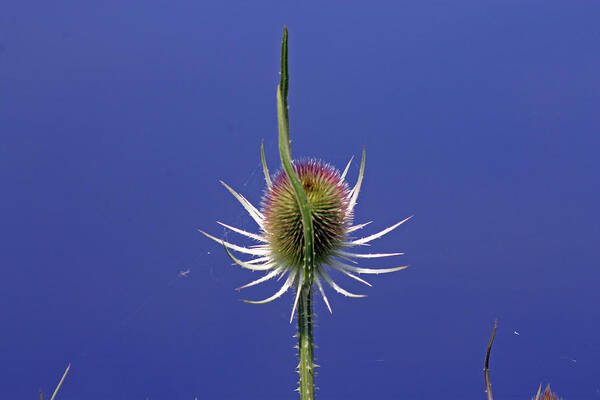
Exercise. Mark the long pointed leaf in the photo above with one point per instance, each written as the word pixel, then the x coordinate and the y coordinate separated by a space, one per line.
pixel 61 382
pixel 356 189
pixel 243 232
pixel 350 274
pixel 359 270
pixel 298 291
pixel 253 211
pixel 378 234
pixel 265 278
pixel 346 169
pixel 256 252
pixel 286 161
pixel 340 254
pixel 264 165
pixel 279 293
pixel 320 286
pixel 263 267
pixel 335 286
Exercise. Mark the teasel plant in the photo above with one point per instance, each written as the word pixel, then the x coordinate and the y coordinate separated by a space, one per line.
pixel 305 227
pixel 546 395
pixel 57 386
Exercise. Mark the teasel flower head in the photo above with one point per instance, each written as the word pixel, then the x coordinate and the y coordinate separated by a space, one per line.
pixel 281 249
pixel 329 200
pixel 546 395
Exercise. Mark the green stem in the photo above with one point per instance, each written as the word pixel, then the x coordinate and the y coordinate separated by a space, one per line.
pixel 305 324
pixel 306 367
pixel 286 161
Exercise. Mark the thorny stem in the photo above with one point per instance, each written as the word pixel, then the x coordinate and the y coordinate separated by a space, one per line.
pixel 305 324
pixel 306 367
pixel 486 369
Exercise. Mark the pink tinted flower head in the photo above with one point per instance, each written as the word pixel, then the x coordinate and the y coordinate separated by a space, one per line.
pixel 280 247
pixel 329 198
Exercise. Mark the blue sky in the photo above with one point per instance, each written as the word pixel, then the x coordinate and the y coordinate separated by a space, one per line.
pixel 480 118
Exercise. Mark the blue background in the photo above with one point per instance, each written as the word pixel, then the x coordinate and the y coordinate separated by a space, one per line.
pixel 118 118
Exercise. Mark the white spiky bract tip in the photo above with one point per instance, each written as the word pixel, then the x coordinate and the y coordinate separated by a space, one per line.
pixel 280 235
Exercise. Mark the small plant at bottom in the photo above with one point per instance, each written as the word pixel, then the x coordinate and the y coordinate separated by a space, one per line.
pixel 57 386
pixel 547 395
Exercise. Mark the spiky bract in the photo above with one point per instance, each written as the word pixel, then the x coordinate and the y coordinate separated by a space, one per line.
pixel 280 251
